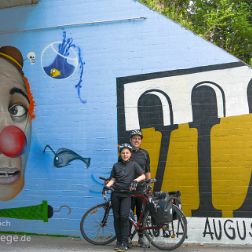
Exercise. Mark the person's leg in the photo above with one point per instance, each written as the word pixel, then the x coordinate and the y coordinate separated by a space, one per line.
pixel 133 205
pixel 124 219
pixel 138 212
pixel 115 201
pixel 138 204
pixel 141 241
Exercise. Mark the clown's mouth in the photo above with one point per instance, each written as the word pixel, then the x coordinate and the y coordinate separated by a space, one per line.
pixel 8 175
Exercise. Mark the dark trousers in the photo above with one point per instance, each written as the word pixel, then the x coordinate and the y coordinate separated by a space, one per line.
pixel 121 208
pixel 136 203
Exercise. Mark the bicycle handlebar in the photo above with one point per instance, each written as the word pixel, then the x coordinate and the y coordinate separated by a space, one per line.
pixel 147 181
pixel 102 178
pixel 144 182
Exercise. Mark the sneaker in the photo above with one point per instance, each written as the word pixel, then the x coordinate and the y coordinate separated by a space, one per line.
pixel 142 241
pixel 122 248
pixel 129 245
pixel 117 246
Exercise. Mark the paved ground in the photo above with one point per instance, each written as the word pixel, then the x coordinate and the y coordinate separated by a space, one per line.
pixel 67 244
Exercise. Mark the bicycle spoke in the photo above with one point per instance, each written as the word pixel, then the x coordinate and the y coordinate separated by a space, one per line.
pixel 94 230
pixel 166 236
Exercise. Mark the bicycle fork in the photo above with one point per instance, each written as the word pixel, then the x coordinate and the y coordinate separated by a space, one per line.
pixel 106 214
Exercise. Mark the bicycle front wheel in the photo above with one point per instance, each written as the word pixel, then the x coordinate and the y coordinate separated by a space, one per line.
pixel 169 235
pixel 97 225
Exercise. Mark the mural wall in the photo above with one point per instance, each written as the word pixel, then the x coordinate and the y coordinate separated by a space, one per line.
pixel 72 86
pixel 198 140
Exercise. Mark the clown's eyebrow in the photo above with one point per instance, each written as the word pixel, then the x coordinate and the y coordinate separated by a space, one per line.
pixel 19 91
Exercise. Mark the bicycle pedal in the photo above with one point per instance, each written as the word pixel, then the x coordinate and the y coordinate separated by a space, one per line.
pixel 173 236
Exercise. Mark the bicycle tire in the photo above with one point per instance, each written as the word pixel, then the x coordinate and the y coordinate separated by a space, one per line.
pixel 164 236
pixel 92 219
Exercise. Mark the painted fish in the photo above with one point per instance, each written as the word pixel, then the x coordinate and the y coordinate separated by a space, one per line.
pixel 54 72
pixel 64 157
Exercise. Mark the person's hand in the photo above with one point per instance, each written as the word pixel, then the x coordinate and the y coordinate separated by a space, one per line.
pixel 106 181
pixel 105 189
pixel 133 185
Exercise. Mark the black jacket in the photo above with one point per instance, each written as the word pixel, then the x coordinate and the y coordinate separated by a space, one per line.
pixel 124 173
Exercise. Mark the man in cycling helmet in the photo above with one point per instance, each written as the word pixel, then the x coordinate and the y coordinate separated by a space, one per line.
pixel 140 156
pixel 125 174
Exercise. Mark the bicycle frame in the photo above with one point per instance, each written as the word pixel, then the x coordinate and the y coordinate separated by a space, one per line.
pixel 105 217
pixel 138 224
pixel 145 199
pixel 145 196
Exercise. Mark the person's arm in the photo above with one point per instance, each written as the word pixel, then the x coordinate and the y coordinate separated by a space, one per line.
pixel 147 167
pixel 140 178
pixel 107 186
pixel 111 182
pixel 148 175
pixel 139 172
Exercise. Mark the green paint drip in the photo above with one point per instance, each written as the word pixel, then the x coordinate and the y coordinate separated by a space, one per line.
pixel 38 212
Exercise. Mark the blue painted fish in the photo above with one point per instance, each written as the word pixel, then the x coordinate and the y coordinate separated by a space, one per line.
pixel 64 157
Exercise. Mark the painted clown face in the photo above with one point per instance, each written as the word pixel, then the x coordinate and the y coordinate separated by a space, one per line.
pixel 15 130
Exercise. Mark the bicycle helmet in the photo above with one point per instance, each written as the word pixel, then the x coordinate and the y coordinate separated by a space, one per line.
pixel 136 132
pixel 125 145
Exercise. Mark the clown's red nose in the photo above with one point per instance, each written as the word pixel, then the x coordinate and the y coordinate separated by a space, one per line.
pixel 12 141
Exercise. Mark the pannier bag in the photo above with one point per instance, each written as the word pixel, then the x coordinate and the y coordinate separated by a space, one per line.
pixel 161 207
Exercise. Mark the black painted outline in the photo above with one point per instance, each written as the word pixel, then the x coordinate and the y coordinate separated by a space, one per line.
pixel 121 81
pixel 167 98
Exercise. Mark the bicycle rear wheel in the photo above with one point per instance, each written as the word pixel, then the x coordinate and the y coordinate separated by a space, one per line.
pixel 97 225
pixel 167 236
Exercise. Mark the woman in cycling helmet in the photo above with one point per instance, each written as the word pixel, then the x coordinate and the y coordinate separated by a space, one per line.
pixel 125 174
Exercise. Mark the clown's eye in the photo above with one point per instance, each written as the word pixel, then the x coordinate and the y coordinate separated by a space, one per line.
pixel 17 110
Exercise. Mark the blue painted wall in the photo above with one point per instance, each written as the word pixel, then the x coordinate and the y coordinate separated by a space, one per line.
pixel 117 38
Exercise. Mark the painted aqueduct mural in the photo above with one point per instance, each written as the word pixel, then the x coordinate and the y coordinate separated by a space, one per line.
pixel 197 129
